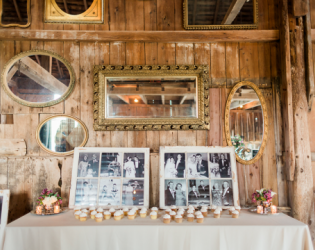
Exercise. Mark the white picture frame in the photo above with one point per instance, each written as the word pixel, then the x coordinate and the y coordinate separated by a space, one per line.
pixel 4 206
pixel 198 176
pixel 120 180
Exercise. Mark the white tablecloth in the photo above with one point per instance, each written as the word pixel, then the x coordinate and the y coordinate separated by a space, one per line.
pixel 249 231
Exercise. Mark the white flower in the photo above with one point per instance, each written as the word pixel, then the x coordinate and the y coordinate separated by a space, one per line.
pixel 273 193
pixel 49 200
pixel 53 199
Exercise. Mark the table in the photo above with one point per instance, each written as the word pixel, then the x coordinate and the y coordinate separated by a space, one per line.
pixel 249 231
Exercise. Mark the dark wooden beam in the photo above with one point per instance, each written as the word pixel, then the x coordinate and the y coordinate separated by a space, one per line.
pixel 195 12
pixel 216 11
pixel 85 4
pixel 300 7
pixel 66 6
pixel 17 10
pixel 233 11
pixel 59 69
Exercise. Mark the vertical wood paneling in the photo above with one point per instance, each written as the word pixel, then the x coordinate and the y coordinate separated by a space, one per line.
pixel 3 172
pixel 134 11
pixel 249 68
pixel 66 174
pixel 218 74
pixel 154 180
pixel 264 65
pixel 150 14
pixel 117 14
pixel 232 64
pixel 104 26
pixel 165 14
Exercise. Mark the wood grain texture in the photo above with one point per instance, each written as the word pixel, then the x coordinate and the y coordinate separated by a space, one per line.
pixel 232 56
pixel 249 67
pixel 218 74
pixel 13 147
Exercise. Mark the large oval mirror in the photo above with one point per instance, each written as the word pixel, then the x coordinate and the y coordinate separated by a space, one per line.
pixel 246 122
pixel 59 135
pixel 38 78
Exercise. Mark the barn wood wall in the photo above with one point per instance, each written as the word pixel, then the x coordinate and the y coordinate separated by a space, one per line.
pixel 229 63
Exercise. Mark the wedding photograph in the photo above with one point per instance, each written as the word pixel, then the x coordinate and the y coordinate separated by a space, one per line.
pixel 222 192
pixel 198 192
pixel 111 164
pixel 133 192
pixel 220 165
pixel 174 165
pixel 133 166
pixel 175 193
pixel 197 165
pixel 109 192
pixel 88 165
pixel 86 192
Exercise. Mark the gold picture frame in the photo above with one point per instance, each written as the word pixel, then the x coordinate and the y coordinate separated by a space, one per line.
pixel 265 116
pixel 85 129
pixel 93 15
pixel 14 59
pixel 201 72
pixel 220 27
pixel 29 17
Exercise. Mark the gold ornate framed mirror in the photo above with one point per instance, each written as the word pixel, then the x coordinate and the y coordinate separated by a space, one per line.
pixel 151 97
pixel 15 13
pixel 220 14
pixel 61 11
pixel 60 134
pixel 38 78
pixel 246 122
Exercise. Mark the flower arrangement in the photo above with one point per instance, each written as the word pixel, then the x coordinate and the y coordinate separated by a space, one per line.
pixel 237 141
pixel 47 197
pixel 263 195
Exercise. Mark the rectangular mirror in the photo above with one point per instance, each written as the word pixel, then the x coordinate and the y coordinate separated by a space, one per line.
pixel 220 14
pixel 151 97
pixel 15 13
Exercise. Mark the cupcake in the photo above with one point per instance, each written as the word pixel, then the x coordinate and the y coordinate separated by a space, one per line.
pixel 166 218
pixel 190 207
pixel 235 214
pixel 213 208
pixel 117 215
pixel 174 208
pixel 85 211
pixel 178 218
pixel 112 211
pixel 77 214
pixel 154 209
pixel 238 208
pixel 153 215
pixel 200 218
pixel 98 217
pixel 204 211
pixel 190 217
pixel 122 214
pixel 131 214
pixel 144 209
pixel 172 214
pixel 100 210
pixel 83 217
pixel 93 213
pixel 190 211
pixel 76 209
pixel 167 211
pixel 181 212
pixel 216 214
pixel 135 209
pixel 91 209
pixel 231 210
pixel 219 209
pixel 107 215
pixel 198 213
pixel 126 210
pixel 143 214
pixel 206 207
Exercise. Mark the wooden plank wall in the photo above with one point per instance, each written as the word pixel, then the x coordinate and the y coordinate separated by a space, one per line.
pixel 229 64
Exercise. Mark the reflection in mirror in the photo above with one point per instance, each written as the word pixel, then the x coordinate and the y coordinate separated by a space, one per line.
pixel 15 12
pixel 62 134
pixel 167 97
pixel 74 7
pixel 38 78
pixel 246 123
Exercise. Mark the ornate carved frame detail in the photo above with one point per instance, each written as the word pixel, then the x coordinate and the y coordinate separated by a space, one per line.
pixel 94 14
pixel 15 24
pixel 199 71
pixel 265 115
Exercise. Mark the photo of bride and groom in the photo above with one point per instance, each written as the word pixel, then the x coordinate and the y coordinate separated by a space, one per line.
pixel 133 165
pixel 174 165
pixel 197 165
pixel 220 165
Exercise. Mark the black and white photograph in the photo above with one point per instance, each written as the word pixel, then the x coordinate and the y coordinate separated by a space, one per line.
pixel 1 201
pixel 133 192
pixel 222 192
pixel 220 165
pixel 133 165
pixel 109 193
pixel 86 192
pixel 197 165
pixel 175 193
pixel 198 192
pixel 174 165
pixel 88 165
pixel 111 164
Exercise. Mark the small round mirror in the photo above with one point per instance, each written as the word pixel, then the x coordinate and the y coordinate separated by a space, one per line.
pixel 59 135
pixel 38 78
pixel 74 7
pixel 246 122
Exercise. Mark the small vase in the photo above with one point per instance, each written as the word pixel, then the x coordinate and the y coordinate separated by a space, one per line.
pixel 49 208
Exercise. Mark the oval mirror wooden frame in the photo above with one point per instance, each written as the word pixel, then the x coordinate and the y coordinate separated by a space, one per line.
pixel 86 137
pixel 265 116
pixel 14 59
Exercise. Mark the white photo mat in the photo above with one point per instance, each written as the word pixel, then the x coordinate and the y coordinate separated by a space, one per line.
pixel 91 191
pixel 4 205
pixel 184 180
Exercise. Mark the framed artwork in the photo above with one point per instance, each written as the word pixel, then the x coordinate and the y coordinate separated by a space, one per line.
pixel 4 209
pixel 110 177
pixel 198 176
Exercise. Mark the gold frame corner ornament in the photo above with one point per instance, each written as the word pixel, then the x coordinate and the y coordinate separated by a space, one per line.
pixel 93 15
pixel 86 137
pixel 265 116
pixel 220 27
pixel 29 17
pixel 101 123
pixel 14 59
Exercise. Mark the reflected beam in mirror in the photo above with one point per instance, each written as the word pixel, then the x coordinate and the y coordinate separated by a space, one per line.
pixel 152 91
pixel 182 99
pixel 11 73
pixel 124 98
pixel 236 104
pixel 41 76
pixel 163 99
pixel 233 11
pixel 195 11
pixel 246 97
pixel 59 69
pixel 217 6
pixel 50 65
pixel 37 59
pixel 252 104
pixel 144 99
pixel 17 10
pixel 85 4
pixel 66 6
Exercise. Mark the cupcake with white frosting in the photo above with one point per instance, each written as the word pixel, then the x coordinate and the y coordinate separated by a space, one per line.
pixel 131 214
pixel 83 217
pixel 117 215
pixel 174 208
pixel 204 211
pixel 191 207
pixel 200 218
pixel 238 208
pixel 107 215
pixel 178 218
pixel 112 211
pixel 216 214
pixel 77 214
pixel 126 210
pixel 154 209
pixel 235 214
pixel 181 212
pixel 100 210
pixel 91 209
pixel 85 211
pixel 172 214
pixel 98 217
pixel 167 218
pixel 143 213
pixel 231 210
pixel 190 217
pixel 153 215
pixel 213 208
pixel 190 211
pixel 167 211
pixel 93 213
pixel 198 213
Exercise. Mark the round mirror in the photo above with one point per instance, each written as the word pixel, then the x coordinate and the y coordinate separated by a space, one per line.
pixel 74 7
pixel 246 122
pixel 59 135
pixel 38 78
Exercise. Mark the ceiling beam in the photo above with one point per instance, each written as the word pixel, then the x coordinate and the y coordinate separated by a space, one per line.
pixel 182 99
pixel 144 99
pixel 66 6
pixel 17 10
pixel 233 11
pixel 124 98
pixel 85 4
pixel 252 104
pixel 59 68
pixel 237 104
pixel 37 59
pixel 217 6
pixel 12 72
